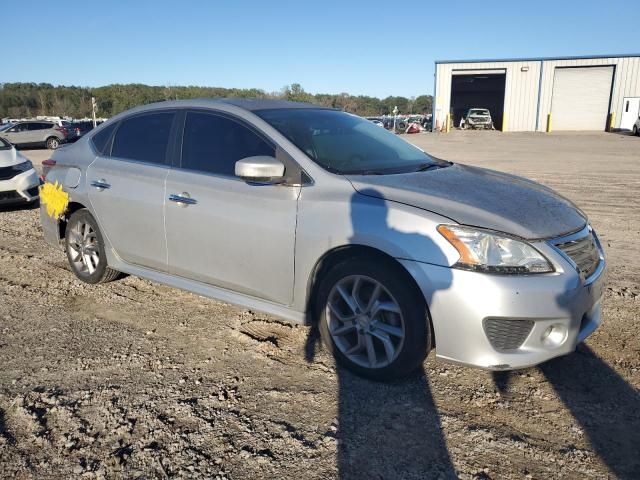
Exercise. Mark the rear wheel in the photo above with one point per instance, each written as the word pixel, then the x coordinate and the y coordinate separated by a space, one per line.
pixel 85 249
pixel 635 130
pixel 372 320
pixel 52 143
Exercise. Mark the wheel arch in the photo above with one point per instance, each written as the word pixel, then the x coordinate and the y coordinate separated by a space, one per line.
pixel 342 253
pixel 71 209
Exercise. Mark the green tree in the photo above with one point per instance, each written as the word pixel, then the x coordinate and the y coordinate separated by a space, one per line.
pixel 30 99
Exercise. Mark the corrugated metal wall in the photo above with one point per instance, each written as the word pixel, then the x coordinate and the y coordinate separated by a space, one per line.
pixel 521 88
pixel 626 82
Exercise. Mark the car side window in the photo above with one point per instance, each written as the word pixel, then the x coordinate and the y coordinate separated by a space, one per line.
pixel 21 127
pixel 144 137
pixel 214 143
pixel 101 139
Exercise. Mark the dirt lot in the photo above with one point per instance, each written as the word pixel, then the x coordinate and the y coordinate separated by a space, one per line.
pixel 138 380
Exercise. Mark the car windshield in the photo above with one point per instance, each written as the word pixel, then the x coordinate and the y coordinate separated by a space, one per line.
pixel 346 144
pixel 6 127
pixel 479 112
pixel 4 145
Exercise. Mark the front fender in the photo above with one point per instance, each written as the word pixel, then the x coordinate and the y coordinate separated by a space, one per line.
pixel 331 218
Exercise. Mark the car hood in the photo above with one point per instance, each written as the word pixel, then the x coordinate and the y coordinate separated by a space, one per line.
pixel 479 197
pixel 10 157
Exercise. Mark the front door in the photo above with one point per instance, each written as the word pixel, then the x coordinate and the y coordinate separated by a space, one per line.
pixel 630 112
pixel 127 189
pixel 18 134
pixel 220 229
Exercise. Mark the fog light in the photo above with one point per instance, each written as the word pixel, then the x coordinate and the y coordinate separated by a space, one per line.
pixel 554 335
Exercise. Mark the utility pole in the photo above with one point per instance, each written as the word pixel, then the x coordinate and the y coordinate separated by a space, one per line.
pixel 94 107
pixel 395 117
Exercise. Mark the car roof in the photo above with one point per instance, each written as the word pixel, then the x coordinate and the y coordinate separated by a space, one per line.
pixel 255 104
pixel 249 104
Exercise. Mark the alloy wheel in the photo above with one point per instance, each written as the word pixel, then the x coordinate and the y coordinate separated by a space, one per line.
pixel 365 321
pixel 84 248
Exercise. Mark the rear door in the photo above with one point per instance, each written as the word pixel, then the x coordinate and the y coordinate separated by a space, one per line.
pixel 38 131
pixel 230 233
pixel 127 187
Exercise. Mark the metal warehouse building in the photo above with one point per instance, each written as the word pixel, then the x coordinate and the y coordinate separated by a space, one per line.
pixel 541 94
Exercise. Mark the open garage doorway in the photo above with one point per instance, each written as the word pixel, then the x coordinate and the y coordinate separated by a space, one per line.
pixel 478 89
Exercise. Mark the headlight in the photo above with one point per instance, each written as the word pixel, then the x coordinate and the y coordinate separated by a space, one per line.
pixel 492 252
pixel 23 167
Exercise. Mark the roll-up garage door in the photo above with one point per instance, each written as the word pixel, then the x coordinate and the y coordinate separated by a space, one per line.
pixel 581 98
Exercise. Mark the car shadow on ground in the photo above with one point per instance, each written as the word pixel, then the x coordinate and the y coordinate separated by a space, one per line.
pixel 605 406
pixel 386 430
pixel 601 401
pixel 19 207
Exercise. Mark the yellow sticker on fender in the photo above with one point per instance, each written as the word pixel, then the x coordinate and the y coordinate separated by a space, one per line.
pixel 55 199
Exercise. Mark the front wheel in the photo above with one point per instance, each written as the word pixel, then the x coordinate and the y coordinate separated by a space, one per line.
pixel 85 249
pixel 53 143
pixel 373 320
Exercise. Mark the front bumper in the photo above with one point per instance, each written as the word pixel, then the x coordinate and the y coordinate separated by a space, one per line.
pixel 22 188
pixel 461 302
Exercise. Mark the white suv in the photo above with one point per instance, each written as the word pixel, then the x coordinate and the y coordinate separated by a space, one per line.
pixel 18 179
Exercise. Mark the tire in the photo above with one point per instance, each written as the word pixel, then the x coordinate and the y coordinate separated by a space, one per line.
pixel 404 327
pixel 52 143
pixel 85 249
pixel 635 130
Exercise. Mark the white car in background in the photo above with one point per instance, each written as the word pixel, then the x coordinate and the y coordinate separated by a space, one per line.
pixel 19 181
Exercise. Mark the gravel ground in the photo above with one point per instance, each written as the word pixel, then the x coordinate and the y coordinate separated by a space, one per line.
pixel 137 380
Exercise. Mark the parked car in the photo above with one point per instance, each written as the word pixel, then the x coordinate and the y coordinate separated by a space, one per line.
pixel 18 180
pixel 478 118
pixel 36 133
pixel 316 215
pixel 81 128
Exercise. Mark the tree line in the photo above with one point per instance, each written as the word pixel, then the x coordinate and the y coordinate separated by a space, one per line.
pixel 19 100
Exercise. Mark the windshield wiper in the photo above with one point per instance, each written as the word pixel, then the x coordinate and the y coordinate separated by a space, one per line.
pixel 431 166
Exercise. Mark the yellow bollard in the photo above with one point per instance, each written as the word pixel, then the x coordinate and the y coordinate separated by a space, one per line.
pixel 504 122
pixel 447 123
pixel 612 121
pixel 549 123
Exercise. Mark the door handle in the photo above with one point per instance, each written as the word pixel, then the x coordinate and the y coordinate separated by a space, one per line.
pixel 183 199
pixel 100 185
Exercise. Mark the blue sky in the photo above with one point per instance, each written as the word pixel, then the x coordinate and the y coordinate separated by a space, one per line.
pixel 370 47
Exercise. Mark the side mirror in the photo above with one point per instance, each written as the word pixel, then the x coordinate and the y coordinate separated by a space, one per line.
pixel 260 169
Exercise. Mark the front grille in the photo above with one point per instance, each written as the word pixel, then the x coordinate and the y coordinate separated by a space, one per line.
pixel 584 254
pixel 7 173
pixel 507 333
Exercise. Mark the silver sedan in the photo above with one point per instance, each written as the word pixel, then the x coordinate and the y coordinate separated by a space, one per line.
pixel 321 217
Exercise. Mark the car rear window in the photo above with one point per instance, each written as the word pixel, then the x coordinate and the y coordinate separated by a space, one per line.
pixel 143 138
